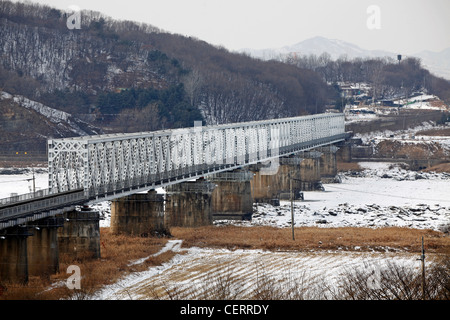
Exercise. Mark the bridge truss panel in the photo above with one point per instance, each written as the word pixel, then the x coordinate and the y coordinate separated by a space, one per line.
pixel 106 164
pixel 67 164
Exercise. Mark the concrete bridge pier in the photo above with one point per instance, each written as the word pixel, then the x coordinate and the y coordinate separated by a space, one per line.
pixel 344 153
pixel 310 177
pixel 138 214
pixel 290 177
pixel 270 185
pixel 13 255
pixel 79 238
pixel 232 198
pixel 328 163
pixel 188 204
pixel 42 247
pixel 264 185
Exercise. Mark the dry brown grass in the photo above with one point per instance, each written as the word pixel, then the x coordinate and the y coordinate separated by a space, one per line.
pixel 23 164
pixel 398 149
pixel 348 166
pixel 443 167
pixel 439 132
pixel 117 251
pixel 313 238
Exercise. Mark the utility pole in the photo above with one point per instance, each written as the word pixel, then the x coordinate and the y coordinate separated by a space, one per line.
pixel 423 271
pixel 254 197
pixel 292 207
pixel 34 183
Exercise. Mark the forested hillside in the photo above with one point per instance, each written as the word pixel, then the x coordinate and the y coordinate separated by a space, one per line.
pixel 388 77
pixel 123 76
pixel 108 71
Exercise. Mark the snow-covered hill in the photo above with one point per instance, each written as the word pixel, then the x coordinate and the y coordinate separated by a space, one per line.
pixel 42 121
pixel 317 46
pixel 437 62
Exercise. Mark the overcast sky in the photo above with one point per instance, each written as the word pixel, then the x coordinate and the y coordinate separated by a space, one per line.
pixel 405 26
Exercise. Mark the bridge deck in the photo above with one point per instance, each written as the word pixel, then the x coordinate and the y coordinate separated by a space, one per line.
pixel 104 167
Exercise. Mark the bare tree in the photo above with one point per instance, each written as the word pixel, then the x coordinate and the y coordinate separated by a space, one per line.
pixel 192 85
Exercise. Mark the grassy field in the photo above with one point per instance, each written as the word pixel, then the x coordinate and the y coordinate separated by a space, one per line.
pixel 313 238
pixel 119 251
pixel 438 132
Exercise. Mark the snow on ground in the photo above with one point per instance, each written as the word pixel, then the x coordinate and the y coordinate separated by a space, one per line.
pixel 376 197
pixel 387 134
pixel 423 101
pixel 359 117
pixel 381 195
pixel 202 273
pixel 20 181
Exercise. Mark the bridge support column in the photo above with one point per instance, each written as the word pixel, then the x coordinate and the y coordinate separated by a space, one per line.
pixel 232 198
pixel 138 214
pixel 328 164
pixel 290 173
pixel 344 153
pixel 268 186
pixel 13 255
pixel 188 204
pixel 264 185
pixel 310 177
pixel 43 251
pixel 79 238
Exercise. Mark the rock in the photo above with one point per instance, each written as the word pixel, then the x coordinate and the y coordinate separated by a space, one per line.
pixel 321 221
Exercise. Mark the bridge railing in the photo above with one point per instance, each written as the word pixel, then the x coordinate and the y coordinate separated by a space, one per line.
pixel 88 168
pixel 110 163
pixel 41 204
pixel 23 197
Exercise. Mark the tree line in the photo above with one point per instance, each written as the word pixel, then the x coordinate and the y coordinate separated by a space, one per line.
pixel 388 77
pixel 224 86
pixel 146 75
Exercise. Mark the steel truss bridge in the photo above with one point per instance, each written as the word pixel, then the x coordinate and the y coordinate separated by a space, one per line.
pixel 90 169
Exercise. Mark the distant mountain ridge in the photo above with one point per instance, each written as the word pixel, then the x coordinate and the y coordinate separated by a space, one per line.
pixel 436 62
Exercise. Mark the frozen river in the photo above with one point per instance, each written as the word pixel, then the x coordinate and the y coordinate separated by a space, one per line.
pixel 377 196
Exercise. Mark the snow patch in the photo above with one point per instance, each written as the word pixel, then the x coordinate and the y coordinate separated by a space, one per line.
pixel 54 115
